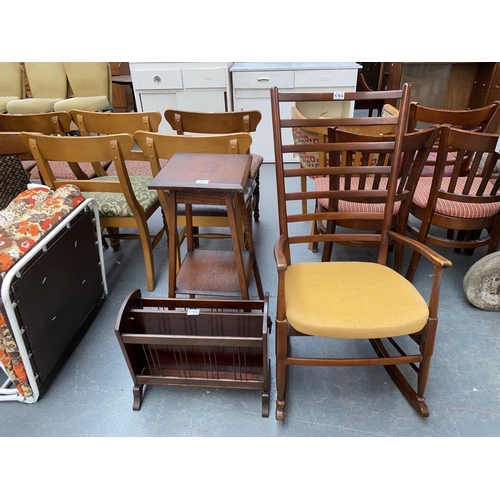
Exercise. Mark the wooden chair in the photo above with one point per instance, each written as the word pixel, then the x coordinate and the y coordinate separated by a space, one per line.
pixel 416 147
pixel 231 122
pixel 160 147
pixel 348 300
pixel 124 201
pixel 484 119
pixel 95 123
pixel 467 203
pixel 50 123
pixel 370 106
pixel 319 134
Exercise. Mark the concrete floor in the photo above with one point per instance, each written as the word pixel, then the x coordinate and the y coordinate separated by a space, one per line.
pixel 92 393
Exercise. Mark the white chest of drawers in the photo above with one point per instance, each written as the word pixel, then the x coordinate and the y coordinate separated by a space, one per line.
pixel 190 86
pixel 252 81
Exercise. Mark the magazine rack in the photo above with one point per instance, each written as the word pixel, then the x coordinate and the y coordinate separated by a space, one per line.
pixel 195 342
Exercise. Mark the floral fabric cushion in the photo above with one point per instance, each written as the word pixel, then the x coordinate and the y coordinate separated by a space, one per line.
pixel 115 205
pixel 29 217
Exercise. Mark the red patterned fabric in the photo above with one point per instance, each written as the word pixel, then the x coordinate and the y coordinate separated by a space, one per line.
pixel 454 208
pixel 321 184
pixel 31 215
pixel 428 170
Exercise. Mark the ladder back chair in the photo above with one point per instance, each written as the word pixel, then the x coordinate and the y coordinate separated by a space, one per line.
pixel 124 201
pixel 467 202
pixel 347 300
pixel 229 122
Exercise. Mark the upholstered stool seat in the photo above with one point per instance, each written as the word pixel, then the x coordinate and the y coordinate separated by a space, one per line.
pixel 352 300
pixel 115 205
pixel 257 161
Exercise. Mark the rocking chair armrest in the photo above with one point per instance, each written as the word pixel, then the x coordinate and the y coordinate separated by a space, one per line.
pixel 435 258
pixel 279 253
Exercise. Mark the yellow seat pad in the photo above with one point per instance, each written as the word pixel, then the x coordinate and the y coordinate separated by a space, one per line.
pixel 352 300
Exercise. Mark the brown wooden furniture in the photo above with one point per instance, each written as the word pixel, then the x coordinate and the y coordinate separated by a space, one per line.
pixel 448 85
pixel 415 147
pixel 212 179
pixel 230 122
pixel 58 123
pixel 123 89
pixel 124 201
pixel 347 300
pixel 159 148
pixel 466 203
pixel 370 106
pixel 195 342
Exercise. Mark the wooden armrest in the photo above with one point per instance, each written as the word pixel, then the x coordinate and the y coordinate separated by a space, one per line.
pixel 279 253
pixel 431 255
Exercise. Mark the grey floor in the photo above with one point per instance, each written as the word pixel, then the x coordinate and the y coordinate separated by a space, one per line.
pixel 92 393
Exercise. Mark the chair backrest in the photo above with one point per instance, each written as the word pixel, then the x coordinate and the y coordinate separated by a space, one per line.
pixel 90 122
pixel 291 220
pixel 88 79
pixel 158 146
pixel 57 122
pixel 475 183
pixel 95 149
pixel 12 80
pixel 485 119
pixel 230 122
pixel 47 79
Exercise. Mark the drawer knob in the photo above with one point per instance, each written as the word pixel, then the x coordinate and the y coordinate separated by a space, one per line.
pixel 325 78
pixel 157 79
pixel 263 79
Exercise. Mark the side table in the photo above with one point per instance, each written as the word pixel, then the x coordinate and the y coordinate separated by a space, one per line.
pixel 209 179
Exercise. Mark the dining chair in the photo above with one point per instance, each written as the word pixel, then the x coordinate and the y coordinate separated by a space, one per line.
pixel 319 134
pixel 50 123
pixel 161 147
pixel 91 87
pixel 12 86
pixel 124 201
pixel 465 204
pixel 48 85
pixel 347 300
pixel 415 149
pixel 229 122
pixel 484 119
pixel 105 123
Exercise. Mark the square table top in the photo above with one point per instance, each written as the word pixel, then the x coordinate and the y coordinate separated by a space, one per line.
pixel 204 171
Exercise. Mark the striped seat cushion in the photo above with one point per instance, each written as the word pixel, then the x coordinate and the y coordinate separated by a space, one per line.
pixel 455 208
pixel 321 184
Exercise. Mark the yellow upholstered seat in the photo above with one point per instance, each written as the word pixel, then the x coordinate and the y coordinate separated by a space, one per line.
pixel 11 84
pixel 322 296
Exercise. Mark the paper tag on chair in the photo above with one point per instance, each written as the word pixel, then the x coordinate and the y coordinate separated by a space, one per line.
pixel 338 96
pixel 193 312
pixel 202 181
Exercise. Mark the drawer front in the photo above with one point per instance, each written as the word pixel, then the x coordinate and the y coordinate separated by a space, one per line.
pixel 204 78
pixel 326 78
pixel 157 79
pixel 262 79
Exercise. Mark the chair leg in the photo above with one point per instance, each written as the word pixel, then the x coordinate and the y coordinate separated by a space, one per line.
pixel 281 355
pixel 256 198
pixel 114 242
pixel 147 250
